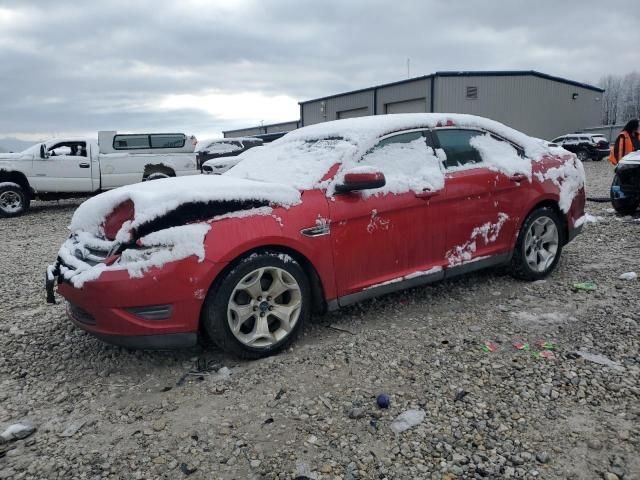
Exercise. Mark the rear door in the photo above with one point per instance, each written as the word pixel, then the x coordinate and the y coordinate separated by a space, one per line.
pixel 474 228
pixel 67 168
pixel 382 239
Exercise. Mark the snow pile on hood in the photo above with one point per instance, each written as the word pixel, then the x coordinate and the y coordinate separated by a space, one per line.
pixel 158 248
pixel 155 198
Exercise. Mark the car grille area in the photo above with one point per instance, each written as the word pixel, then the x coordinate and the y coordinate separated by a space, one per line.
pixel 79 314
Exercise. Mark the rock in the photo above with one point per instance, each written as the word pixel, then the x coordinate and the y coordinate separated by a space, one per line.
pixel 255 463
pixel 73 428
pixel 543 457
pixel 356 412
pixel 158 425
pixel 610 476
pixel 594 444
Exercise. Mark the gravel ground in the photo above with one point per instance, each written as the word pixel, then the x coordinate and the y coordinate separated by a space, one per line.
pixel 106 412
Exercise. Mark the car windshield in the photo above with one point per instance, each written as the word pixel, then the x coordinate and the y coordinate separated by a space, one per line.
pixel 301 164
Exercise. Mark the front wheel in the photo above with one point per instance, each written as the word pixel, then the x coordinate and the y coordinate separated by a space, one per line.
pixel 13 200
pixel 539 245
pixel 259 307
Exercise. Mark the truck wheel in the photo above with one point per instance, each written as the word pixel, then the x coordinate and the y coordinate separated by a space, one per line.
pixel 539 245
pixel 259 307
pixel 13 200
pixel 622 203
pixel 157 173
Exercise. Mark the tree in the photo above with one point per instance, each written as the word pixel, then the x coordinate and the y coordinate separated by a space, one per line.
pixel 621 98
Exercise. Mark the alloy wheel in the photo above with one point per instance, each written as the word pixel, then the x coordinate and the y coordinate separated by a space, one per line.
pixel 541 244
pixel 264 307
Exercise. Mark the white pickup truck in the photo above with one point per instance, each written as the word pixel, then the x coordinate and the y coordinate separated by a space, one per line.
pixel 71 167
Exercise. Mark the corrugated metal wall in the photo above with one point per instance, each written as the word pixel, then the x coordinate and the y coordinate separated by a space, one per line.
pixel 539 107
pixel 418 91
pixel 324 110
pixel 262 129
pixel 609 131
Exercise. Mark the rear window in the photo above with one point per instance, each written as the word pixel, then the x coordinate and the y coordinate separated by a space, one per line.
pixel 139 141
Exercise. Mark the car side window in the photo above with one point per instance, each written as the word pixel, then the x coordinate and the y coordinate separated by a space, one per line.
pixel 457 147
pixel 558 140
pixel 401 155
pixel 71 149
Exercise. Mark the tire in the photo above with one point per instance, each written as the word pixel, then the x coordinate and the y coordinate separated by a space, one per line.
pixel 622 203
pixel 582 155
pixel 13 200
pixel 541 235
pixel 241 331
pixel 157 174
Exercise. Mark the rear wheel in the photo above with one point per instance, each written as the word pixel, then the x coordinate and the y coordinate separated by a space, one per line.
pixel 259 307
pixel 539 245
pixel 13 200
pixel 156 173
pixel 622 202
pixel 582 155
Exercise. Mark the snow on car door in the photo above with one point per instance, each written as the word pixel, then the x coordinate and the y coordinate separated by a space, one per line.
pixel 474 221
pixel 395 233
pixel 67 168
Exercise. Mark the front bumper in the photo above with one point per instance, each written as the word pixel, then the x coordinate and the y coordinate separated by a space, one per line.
pixel 110 306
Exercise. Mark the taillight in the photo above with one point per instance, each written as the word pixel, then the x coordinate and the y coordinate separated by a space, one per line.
pixel 123 212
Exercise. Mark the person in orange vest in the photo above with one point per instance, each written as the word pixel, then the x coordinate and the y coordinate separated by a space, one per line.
pixel 626 142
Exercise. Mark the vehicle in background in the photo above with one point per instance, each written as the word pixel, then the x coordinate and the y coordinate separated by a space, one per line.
pixel 217 156
pixel 329 215
pixel 586 146
pixel 625 188
pixel 72 167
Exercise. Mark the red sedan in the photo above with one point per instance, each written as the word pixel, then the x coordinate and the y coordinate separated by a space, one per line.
pixel 326 216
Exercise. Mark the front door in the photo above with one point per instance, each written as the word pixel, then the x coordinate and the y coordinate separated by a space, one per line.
pixel 395 233
pixel 474 220
pixel 67 168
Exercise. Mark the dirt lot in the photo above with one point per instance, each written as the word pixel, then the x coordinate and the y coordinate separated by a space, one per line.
pixel 106 412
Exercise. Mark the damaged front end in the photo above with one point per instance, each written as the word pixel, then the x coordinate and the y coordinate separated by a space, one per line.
pixel 116 246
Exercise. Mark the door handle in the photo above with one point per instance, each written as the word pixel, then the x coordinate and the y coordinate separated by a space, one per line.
pixel 426 194
pixel 84 165
pixel 518 177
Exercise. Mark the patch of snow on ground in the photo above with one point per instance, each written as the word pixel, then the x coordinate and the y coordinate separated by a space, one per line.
pixel 600 360
pixel 628 276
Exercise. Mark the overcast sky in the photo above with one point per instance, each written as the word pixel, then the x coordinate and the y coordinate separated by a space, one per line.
pixel 203 66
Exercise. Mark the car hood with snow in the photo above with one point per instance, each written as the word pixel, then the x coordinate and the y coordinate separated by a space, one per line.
pixel 170 217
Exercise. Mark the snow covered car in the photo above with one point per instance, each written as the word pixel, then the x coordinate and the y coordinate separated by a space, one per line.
pixel 218 156
pixel 326 216
pixel 625 188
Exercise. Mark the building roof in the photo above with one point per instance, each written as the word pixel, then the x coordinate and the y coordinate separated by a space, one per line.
pixel 490 73
pixel 263 127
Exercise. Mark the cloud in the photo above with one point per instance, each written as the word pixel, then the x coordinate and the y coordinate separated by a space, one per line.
pixel 203 66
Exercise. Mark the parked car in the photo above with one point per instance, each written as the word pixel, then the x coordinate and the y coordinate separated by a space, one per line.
pixel 625 188
pixel 326 216
pixel 72 167
pixel 218 156
pixel 585 145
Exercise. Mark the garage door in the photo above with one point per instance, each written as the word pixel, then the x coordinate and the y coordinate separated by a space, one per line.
pixel 355 112
pixel 418 105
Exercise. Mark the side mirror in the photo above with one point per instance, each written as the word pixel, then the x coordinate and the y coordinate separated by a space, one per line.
pixel 43 151
pixel 361 180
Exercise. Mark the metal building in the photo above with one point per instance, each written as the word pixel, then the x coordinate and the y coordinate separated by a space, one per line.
pixel 265 132
pixel 540 105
